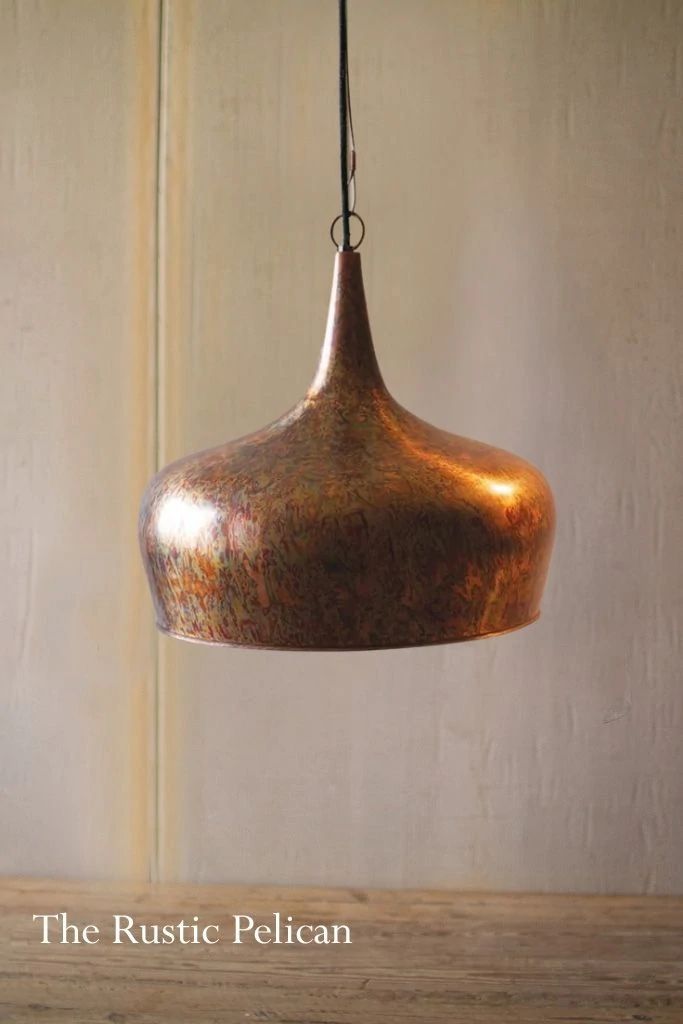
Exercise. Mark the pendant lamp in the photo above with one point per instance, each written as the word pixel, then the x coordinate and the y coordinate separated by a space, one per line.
pixel 348 523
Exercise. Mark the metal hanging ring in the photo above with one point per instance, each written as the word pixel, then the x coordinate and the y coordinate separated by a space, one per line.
pixel 352 213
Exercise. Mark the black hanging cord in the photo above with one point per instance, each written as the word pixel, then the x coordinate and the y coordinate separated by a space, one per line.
pixel 346 139
pixel 352 140
pixel 344 125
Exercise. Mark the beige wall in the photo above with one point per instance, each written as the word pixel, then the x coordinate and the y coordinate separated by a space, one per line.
pixel 78 101
pixel 520 173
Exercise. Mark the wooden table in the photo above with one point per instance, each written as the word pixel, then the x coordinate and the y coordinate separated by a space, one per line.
pixel 414 956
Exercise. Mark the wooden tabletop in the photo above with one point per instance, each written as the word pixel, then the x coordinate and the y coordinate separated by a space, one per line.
pixel 414 956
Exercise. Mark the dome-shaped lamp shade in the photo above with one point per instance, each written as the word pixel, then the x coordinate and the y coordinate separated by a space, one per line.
pixel 349 523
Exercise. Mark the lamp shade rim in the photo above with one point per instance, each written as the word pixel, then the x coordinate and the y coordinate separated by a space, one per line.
pixel 486 635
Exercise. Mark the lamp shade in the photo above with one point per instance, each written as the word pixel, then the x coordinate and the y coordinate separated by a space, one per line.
pixel 349 523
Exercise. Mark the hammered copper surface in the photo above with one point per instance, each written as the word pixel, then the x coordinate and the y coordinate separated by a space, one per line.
pixel 348 523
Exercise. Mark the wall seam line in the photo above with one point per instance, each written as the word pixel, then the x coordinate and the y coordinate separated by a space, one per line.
pixel 158 396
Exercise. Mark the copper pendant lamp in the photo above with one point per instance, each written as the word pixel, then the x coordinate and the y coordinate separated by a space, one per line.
pixel 349 523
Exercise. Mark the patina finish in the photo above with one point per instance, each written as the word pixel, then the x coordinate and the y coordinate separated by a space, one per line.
pixel 348 523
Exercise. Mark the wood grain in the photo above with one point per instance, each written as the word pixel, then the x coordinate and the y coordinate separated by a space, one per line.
pixel 430 956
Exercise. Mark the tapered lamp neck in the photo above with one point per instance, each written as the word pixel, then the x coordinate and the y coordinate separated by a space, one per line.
pixel 347 362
